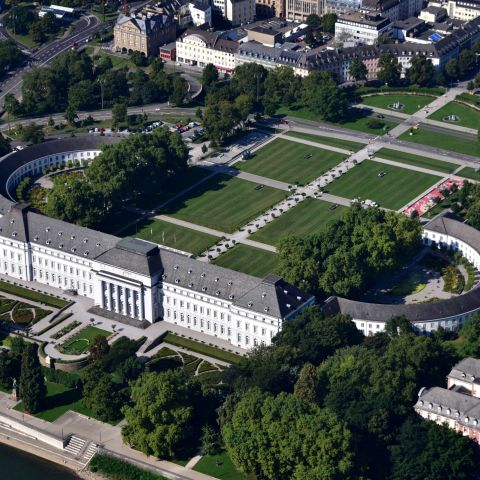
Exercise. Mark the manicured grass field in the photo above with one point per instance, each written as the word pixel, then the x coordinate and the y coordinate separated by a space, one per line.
pixel 470 172
pixel 357 119
pixel 444 141
pixel 40 297
pixel 412 283
pixel 308 217
pixel 60 399
pixel 224 203
pixel 246 259
pixel 412 103
pixel 393 190
pixel 79 343
pixel 290 162
pixel 410 159
pixel 333 142
pixel 218 466
pixel 175 236
pixel 469 117
pixel 201 348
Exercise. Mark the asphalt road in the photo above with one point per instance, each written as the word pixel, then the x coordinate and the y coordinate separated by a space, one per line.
pixel 81 30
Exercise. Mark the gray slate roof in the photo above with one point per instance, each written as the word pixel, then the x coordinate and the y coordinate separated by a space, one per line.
pixel 420 312
pixel 449 224
pixel 467 370
pixel 462 408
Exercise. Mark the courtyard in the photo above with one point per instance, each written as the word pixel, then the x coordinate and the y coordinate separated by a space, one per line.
pixel 389 186
pixel 290 162
pixel 79 343
pixel 224 203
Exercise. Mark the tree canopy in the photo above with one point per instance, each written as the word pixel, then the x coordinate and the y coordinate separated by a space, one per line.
pixel 347 255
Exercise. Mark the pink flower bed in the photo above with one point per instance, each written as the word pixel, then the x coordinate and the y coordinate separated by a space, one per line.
pixel 427 202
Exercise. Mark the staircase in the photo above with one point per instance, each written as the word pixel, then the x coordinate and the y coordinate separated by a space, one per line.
pixel 75 445
pixel 89 452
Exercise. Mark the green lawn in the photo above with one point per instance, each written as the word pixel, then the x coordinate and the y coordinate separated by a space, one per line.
pixel 60 399
pixel 308 217
pixel 39 297
pixel 224 203
pixel 470 172
pixel 394 190
pixel 444 141
pixel 218 466
pixel 198 347
pixel 246 259
pixel 79 343
pixel 412 283
pixel 357 119
pixel 412 103
pixel 290 162
pixel 469 117
pixel 410 159
pixel 175 236
pixel 333 142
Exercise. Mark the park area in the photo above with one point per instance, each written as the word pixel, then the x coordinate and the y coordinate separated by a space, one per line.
pixel 416 160
pixel 224 203
pixel 330 141
pixel 171 235
pixel 80 342
pixel 458 114
pixel 470 172
pixel 444 141
pixel 307 218
pixel 246 259
pixel 290 162
pixel 389 186
pixel 408 104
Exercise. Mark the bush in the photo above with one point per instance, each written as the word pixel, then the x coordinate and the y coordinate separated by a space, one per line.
pixel 115 469
pixel 375 124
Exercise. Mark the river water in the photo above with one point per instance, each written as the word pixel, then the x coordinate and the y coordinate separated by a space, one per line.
pixel 17 465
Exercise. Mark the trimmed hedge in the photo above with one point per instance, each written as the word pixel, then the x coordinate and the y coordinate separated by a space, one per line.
pixel 68 379
pixel 54 323
pixel 39 297
pixel 116 469
pixel 407 88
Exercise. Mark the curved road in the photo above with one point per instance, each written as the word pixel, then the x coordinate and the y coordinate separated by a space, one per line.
pixel 81 30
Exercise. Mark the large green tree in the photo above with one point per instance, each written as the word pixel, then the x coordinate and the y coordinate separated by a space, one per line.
pixel 421 71
pixel 32 384
pixel 180 91
pixel 358 69
pixel 285 437
pixel 162 420
pixel 389 69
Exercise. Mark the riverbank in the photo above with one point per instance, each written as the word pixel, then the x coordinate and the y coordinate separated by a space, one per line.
pixel 28 446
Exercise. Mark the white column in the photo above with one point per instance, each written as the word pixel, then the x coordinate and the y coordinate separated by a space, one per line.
pixel 110 296
pixel 119 300
pixel 125 300
pixel 102 297
pixel 142 306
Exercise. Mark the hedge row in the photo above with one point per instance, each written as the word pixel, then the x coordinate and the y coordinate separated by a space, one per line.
pixel 115 469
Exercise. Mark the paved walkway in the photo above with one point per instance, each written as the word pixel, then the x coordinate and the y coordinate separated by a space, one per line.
pixel 407 166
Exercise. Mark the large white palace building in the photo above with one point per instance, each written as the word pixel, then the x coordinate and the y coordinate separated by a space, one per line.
pixel 132 277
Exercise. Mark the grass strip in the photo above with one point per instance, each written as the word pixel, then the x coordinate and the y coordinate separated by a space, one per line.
pixel 202 348
pixel 116 469
pixel 39 297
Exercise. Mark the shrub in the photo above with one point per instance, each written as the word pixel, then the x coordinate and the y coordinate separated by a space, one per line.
pixel 117 469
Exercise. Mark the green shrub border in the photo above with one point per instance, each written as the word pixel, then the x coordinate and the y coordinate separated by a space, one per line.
pixel 116 469
pixel 54 323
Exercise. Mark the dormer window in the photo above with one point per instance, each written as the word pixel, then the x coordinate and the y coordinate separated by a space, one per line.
pixel 189 271
pixel 164 276
pixel 217 279
pixel 203 275
pixel 264 295
pixel 217 292
pixel 73 250
pixel 266 309
pixel 35 237
pixel 48 242
pixel 85 253
pixel 60 246
pixel 60 233
pixel 47 229
pixel 97 244
pixel 231 297
pixel 285 292
pixel 288 305
pixel 204 289
pixel 177 280
pixel 175 267
pixel 190 285
pixel 230 283
pixel 250 304
pixel 12 221
pixel 14 234
pixel 85 240
pixel 72 237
